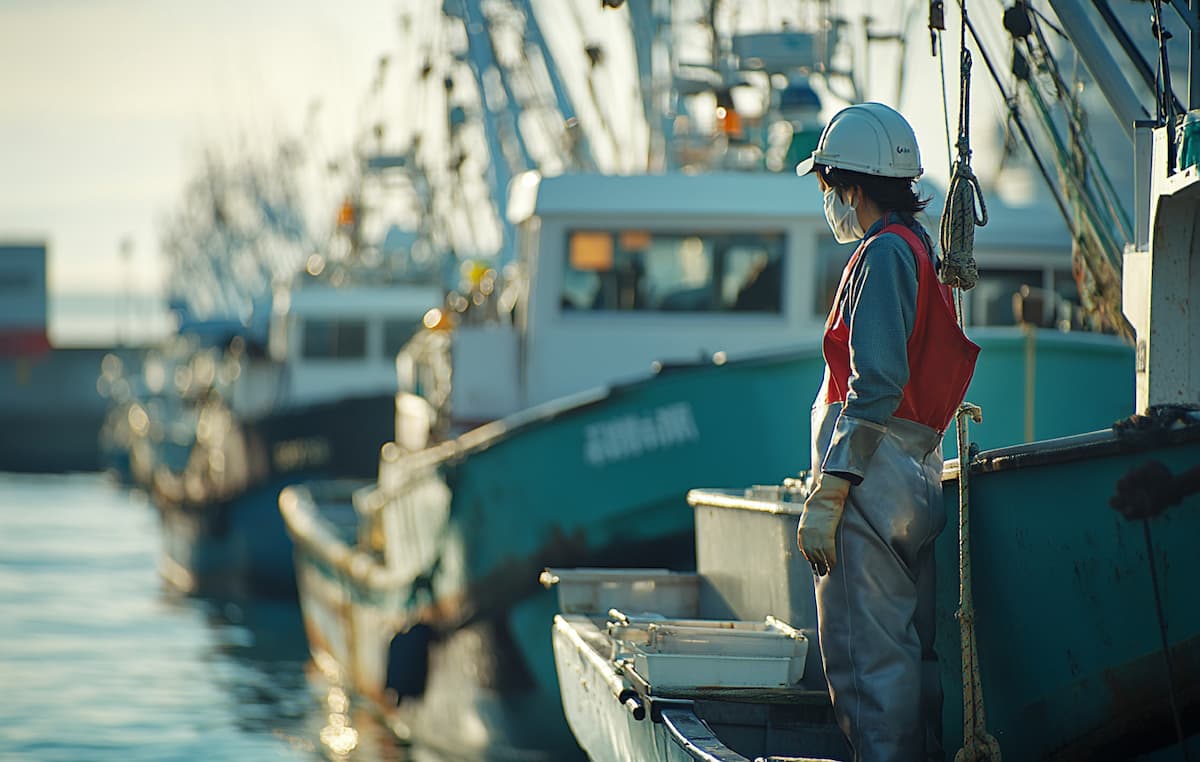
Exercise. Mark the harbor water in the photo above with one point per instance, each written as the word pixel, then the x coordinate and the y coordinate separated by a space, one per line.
pixel 100 661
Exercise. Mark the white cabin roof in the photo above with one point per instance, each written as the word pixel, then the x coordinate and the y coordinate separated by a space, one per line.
pixel 361 301
pixel 725 194
pixel 749 195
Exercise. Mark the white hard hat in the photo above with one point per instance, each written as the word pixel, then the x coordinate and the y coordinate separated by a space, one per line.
pixel 870 138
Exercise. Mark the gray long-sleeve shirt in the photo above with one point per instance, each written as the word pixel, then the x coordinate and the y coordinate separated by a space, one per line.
pixel 879 306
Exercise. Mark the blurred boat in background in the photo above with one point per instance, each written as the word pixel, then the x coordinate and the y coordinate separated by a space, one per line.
pixel 275 375
pixel 318 403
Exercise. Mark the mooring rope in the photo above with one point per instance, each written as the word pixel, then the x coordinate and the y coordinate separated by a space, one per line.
pixel 978 744
pixel 959 271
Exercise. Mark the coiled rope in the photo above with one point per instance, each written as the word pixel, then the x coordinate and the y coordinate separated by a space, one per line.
pixel 959 218
pixel 959 271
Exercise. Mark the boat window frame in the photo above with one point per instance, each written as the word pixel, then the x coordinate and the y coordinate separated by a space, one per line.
pixel 777 242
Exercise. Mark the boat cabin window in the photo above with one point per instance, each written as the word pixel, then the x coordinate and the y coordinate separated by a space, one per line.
pixel 831 260
pixel 335 339
pixel 1045 297
pixel 637 270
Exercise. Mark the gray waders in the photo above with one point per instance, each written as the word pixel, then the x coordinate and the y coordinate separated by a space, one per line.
pixel 876 608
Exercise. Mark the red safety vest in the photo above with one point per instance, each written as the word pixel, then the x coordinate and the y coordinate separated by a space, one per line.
pixel 941 359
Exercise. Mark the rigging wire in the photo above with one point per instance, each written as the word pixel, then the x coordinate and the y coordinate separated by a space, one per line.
pixel 945 106
pixel 1165 644
pixel 1047 21
pixel 1079 134
pixel 1014 112
pixel 1096 254
pixel 1065 163
pixel 1099 268
pixel 1131 51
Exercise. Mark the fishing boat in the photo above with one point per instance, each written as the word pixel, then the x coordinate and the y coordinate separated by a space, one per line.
pixel 1069 631
pixel 318 401
pixel 440 556
pixel 1069 647
pixel 283 365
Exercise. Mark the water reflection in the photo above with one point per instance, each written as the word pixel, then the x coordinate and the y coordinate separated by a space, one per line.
pixel 100 661
pixel 260 657
pixel 339 736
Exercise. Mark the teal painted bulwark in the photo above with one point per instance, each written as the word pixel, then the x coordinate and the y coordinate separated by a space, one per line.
pixel 1044 384
pixel 1068 638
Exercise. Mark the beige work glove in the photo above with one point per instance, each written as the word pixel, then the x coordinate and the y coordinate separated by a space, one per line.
pixel 817 533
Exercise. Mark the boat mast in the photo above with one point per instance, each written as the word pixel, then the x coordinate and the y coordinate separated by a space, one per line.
pixel 581 158
pixel 649 21
pixel 1099 60
pixel 506 145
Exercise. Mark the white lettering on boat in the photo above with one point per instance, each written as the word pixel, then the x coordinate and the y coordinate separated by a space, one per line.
pixel 633 435
pixel 293 454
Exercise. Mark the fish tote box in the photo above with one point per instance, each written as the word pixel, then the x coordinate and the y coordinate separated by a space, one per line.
pixel 747 558
pixel 682 654
pixel 595 591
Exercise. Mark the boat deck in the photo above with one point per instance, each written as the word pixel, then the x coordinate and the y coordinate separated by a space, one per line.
pixel 743 722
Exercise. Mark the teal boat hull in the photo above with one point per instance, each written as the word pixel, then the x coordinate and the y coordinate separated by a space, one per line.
pixel 452 537
pixel 1065 620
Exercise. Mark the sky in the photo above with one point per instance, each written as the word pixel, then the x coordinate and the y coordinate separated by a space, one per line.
pixel 108 105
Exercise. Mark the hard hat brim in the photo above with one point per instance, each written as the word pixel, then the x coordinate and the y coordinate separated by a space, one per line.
pixel 806 166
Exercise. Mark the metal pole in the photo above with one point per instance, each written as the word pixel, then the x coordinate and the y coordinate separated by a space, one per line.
pixel 1099 61
pixel 1131 51
pixel 1194 55
pixel 533 32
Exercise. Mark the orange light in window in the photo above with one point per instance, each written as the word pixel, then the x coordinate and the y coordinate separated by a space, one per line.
pixel 635 240
pixel 345 216
pixel 591 251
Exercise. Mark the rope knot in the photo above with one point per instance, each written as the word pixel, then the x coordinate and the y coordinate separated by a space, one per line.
pixel 964 617
pixel 959 219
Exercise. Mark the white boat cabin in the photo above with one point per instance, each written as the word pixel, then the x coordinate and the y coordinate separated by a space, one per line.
pixel 627 271
pixel 329 342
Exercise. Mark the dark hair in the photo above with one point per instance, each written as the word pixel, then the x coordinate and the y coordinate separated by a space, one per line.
pixel 890 194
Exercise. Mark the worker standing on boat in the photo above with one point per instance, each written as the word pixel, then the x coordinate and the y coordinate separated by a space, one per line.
pixel 896 368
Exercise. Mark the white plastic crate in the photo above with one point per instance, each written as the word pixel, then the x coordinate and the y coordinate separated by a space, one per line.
pixel 595 591
pixel 678 654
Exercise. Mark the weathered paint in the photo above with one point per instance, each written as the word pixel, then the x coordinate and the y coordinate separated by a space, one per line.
pixel 1064 614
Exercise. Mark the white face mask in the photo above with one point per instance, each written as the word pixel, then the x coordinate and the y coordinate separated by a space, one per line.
pixel 842 219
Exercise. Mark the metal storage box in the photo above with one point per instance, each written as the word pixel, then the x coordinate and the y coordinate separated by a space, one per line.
pixel 747 558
